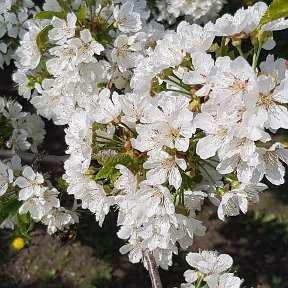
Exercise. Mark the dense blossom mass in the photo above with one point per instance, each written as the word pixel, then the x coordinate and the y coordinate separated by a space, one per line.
pixel 158 121
pixel 194 11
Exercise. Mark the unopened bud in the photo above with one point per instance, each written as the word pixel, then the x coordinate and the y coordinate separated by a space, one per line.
pixel 236 42
pixel 195 105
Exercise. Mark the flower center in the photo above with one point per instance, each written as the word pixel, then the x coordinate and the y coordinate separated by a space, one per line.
pixel 174 133
pixel 239 86
pixel 168 163
pixel 122 51
pixel 265 100
pixel 270 158
pixel 222 132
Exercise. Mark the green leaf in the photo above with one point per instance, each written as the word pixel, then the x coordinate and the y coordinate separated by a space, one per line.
pixel 109 163
pixel 256 216
pixel 105 172
pixel 112 161
pixel 114 176
pixel 269 218
pixel 42 38
pixel 25 224
pixel 9 206
pixel 49 15
pixel 81 14
pixel 61 185
pixel 277 9
pixel 65 5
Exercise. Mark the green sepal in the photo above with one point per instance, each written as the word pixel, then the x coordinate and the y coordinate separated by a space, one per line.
pixel 277 9
pixel 9 206
pixel 223 50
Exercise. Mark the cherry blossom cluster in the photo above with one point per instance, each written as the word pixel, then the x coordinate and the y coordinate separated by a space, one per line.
pixel 14 17
pixel 149 220
pixel 238 105
pixel 20 130
pixel 194 11
pixel 77 173
pixel 66 82
pixel 157 121
pixel 35 196
pixel 210 270
pixel 183 115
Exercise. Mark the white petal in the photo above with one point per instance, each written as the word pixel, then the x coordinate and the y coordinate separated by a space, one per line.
pixel 207 146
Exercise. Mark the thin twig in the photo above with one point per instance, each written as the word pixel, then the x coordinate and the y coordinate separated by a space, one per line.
pixel 153 269
pixel 30 158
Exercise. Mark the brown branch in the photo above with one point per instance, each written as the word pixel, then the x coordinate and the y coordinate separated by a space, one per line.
pixel 153 269
pixel 31 158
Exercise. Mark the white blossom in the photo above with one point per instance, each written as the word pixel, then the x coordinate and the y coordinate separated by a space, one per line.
pixel 6 178
pixel 125 19
pixel 29 183
pixel 62 29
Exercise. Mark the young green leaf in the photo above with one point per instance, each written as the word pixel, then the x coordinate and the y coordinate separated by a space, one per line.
pixel 25 224
pixel 42 38
pixel 65 5
pixel 9 206
pixel 105 172
pixel 277 9
pixel 81 14
pixel 48 15
pixel 112 161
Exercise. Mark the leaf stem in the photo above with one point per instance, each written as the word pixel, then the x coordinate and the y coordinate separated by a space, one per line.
pixel 239 49
pixel 176 83
pixel 256 55
pixel 179 91
pixel 109 139
pixel 128 128
pixel 199 281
